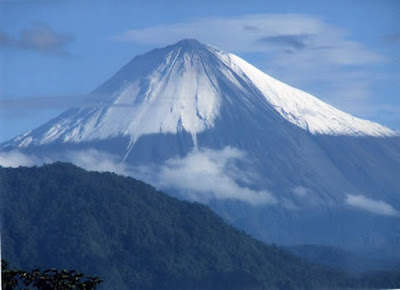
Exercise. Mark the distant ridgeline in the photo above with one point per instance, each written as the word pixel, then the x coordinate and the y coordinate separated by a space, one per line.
pixel 135 237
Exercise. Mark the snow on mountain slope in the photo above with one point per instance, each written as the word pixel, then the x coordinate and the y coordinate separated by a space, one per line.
pixel 181 88
pixel 301 108
pixel 179 94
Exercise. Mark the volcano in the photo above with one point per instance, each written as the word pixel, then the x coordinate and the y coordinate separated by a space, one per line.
pixel 206 125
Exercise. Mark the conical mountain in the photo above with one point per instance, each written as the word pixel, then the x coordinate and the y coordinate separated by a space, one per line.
pixel 187 87
pixel 204 124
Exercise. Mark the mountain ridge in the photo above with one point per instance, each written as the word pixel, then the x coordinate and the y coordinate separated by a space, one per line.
pixel 135 237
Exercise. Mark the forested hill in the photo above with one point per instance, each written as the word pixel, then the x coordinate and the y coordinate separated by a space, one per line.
pixel 134 237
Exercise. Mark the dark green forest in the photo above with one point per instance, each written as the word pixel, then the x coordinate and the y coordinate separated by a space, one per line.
pixel 135 237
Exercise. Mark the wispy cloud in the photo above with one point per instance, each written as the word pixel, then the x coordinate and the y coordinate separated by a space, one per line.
pixel 371 205
pixel 208 174
pixel 89 159
pixel 256 33
pixel 16 158
pixel 300 191
pixel 40 103
pixel 392 37
pixel 202 175
pixel 40 38
pixel 305 197
pixel 291 41
pixel 96 160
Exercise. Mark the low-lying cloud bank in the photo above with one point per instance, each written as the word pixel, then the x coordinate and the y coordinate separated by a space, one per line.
pixel 15 159
pixel 95 160
pixel 209 174
pixel 371 205
pixel 90 159
pixel 202 175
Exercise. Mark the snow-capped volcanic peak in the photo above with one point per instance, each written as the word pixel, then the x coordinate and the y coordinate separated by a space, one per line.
pixel 182 87
pixel 180 94
pixel 164 91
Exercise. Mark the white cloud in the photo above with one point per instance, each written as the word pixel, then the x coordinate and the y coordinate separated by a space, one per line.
pixel 305 197
pixel 208 174
pixel 202 175
pixel 300 191
pixel 15 159
pixel 374 206
pixel 95 160
pixel 38 37
pixel 24 104
pixel 90 159
pixel 293 35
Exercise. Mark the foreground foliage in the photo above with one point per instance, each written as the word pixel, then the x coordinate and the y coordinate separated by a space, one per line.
pixel 50 279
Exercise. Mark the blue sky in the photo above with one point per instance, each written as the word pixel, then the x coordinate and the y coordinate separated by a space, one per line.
pixel 53 53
